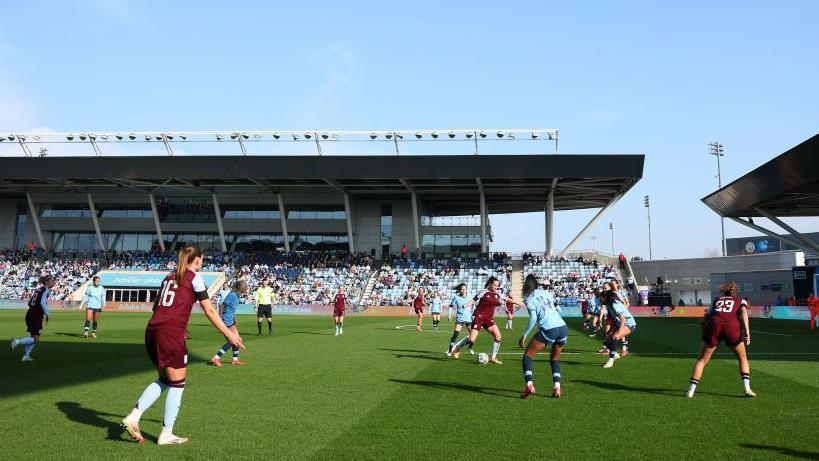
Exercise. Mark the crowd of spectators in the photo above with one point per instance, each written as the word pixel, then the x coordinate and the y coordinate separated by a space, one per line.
pixel 308 277
pixel 399 283
pixel 572 280
pixel 19 271
pixel 166 261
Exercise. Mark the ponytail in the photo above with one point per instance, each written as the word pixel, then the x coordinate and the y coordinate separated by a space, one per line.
pixel 489 282
pixel 186 258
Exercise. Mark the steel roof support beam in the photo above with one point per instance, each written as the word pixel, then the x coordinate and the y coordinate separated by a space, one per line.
pixel 218 212
pixel 96 222
pixel 590 224
pixel 156 222
pixel 807 243
pixel 35 217
pixel 283 219
pixel 482 193
pixel 550 212
pixel 348 211
pixel 765 231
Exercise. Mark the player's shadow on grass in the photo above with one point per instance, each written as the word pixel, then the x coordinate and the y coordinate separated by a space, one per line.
pixel 461 387
pixel 783 451
pixel 61 364
pixel 72 335
pixel 426 356
pixel 404 350
pixel 311 333
pixel 677 393
pixel 88 416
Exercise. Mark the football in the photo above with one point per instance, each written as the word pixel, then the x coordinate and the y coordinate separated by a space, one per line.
pixel 483 358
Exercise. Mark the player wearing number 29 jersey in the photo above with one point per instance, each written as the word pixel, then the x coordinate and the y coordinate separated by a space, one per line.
pixel 726 320
pixel 724 323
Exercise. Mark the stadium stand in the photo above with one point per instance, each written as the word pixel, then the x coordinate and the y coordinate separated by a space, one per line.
pixel 19 271
pixel 397 283
pixel 308 277
pixel 571 279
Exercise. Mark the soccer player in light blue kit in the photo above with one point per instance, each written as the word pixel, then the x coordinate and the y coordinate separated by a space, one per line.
pixel 94 300
pixel 227 311
pixel 624 323
pixel 463 314
pixel 552 330
pixel 435 309
pixel 623 293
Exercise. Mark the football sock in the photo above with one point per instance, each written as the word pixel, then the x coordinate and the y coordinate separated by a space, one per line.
pixel 452 341
pixel 495 349
pixel 612 348
pixel 625 343
pixel 694 383
pixel 86 325
pixel 94 326
pixel 462 343
pixel 269 326
pixel 259 324
pixel 555 373
pixel 223 349
pixel 25 341
pixel 172 403
pixel 148 397
pixel 527 369
pixel 235 353
pixel 746 381
pixel 29 348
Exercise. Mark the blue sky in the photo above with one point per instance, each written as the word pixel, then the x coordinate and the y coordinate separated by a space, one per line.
pixel 615 77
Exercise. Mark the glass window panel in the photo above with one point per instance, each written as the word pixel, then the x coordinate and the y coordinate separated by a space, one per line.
pixel 129 241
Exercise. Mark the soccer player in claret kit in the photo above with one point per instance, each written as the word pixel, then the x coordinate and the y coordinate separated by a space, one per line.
pixel 339 305
pixel 510 314
pixel 165 342
pixel 726 320
pixel 37 310
pixel 418 307
pixel 484 318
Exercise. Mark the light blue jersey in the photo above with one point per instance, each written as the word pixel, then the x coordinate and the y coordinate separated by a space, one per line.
pixel 463 313
pixel 617 309
pixel 594 307
pixel 222 295
pixel 435 306
pixel 230 302
pixel 543 311
pixel 94 297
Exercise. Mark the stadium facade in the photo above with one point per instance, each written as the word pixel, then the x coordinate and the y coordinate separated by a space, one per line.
pixel 432 204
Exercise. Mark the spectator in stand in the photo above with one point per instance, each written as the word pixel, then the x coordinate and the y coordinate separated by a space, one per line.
pixel 791 301
pixel 622 259
pixel 404 251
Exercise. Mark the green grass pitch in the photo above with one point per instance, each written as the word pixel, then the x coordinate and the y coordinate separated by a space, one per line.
pixel 378 392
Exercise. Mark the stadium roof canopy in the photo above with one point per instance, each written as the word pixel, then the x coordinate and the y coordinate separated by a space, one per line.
pixel 787 186
pixel 447 184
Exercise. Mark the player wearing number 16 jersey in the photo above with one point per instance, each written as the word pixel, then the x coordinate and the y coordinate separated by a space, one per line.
pixel 726 320
pixel 165 342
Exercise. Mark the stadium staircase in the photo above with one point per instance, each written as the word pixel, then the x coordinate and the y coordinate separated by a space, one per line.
pixel 517 278
pixel 368 290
